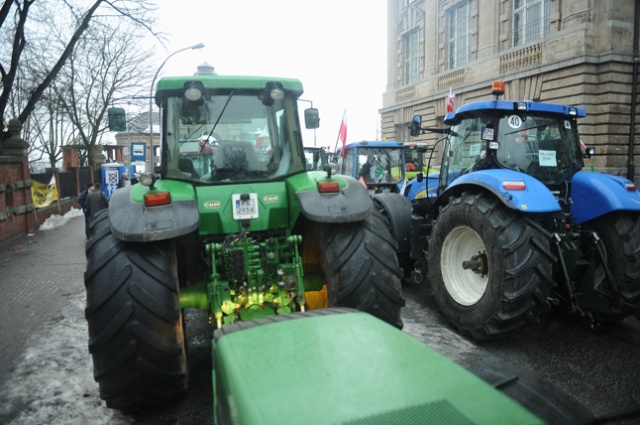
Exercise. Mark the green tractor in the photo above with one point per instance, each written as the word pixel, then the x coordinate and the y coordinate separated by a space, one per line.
pixel 296 268
pixel 231 224
pixel 317 158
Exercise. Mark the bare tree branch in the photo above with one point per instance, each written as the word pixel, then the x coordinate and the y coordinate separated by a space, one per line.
pixel 135 11
pixel 99 68
pixel 8 77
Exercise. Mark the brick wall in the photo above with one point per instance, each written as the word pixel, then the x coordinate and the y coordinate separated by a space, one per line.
pixel 16 207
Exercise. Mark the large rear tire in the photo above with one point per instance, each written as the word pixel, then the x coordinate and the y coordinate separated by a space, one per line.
pixel 620 234
pixel 396 211
pixel 360 266
pixel 133 311
pixel 507 270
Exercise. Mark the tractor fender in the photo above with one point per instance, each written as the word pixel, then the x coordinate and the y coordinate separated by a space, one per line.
pixel 534 198
pixel 132 221
pixel 596 194
pixel 397 208
pixel 351 204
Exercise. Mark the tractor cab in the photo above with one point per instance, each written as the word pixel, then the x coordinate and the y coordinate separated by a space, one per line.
pixel 537 139
pixel 415 157
pixel 209 132
pixel 379 165
pixel 316 158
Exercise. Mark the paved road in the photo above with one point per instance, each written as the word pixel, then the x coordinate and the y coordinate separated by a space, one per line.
pixel 46 371
pixel 38 273
pixel 600 368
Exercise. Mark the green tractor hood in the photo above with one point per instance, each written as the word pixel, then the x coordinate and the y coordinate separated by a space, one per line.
pixel 346 369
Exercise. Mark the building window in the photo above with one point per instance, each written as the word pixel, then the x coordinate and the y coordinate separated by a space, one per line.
pixel 410 42
pixel 402 133
pixel 458 21
pixel 530 20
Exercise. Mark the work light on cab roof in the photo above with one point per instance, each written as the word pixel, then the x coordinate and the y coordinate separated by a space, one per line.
pixel 276 92
pixel 193 93
pixel 497 88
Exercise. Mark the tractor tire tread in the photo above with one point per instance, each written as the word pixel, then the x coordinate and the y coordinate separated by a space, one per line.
pixel 522 254
pixel 361 267
pixel 133 312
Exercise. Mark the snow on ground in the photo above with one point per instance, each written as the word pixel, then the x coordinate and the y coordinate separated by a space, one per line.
pixel 56 220
pixel 53 383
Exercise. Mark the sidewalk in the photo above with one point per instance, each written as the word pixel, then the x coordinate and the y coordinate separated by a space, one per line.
pixel 38 272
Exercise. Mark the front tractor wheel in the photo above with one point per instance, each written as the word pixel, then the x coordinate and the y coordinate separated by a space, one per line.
pixel 136 336
pixel 359 264
pixel 490 272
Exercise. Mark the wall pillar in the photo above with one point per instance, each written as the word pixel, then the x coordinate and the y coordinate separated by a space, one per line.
pixel 17 212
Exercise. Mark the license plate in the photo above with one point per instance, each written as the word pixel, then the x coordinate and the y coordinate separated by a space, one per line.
pixel 245 207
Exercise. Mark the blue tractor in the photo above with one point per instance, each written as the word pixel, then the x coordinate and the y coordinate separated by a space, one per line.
pixel 379 165
pixel 517 227
pixel 421 186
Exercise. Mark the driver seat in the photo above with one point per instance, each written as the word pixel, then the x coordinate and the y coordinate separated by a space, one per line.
pixel 186 166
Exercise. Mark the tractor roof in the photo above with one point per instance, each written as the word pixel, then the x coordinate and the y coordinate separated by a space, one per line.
pixel 229 82
pixel 519 106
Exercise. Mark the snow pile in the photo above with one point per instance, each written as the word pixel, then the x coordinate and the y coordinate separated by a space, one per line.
pixel 53 383
pixel 56 220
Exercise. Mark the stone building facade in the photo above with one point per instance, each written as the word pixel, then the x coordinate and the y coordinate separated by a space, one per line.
pixel 577 52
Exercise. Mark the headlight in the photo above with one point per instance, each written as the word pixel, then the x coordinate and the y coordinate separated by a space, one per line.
pixel 193 94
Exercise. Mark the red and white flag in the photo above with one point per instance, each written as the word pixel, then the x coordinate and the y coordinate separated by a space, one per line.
pixel 451 101
pixel 343 133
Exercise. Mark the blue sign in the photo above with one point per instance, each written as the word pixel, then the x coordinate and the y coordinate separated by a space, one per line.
pixel 110 178
pixel 111 174
pixel 138 152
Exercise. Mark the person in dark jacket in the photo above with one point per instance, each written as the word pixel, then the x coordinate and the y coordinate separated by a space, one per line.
pixel 82 200
pixel 123 180
pixel 96 200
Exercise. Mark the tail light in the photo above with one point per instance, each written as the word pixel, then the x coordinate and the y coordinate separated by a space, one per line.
pixel 157 198
pixel 328 187
pixel 514 185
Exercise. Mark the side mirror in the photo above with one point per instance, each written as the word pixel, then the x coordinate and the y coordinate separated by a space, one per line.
pixel 311 118
pixel 416 126
pixel 117 119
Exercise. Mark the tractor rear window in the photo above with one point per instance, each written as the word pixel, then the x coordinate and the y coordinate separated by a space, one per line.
pixel 380 165
pixel 231 138
pixel 544 147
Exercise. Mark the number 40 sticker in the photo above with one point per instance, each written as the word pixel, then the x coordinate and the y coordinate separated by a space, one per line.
pixel 514 121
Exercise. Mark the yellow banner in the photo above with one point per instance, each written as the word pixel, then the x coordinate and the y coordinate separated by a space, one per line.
pixel 43 195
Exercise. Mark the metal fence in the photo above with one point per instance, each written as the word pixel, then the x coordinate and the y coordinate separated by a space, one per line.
pixel 70 183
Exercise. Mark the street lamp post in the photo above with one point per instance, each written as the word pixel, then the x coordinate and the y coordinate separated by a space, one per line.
pixel 153 82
